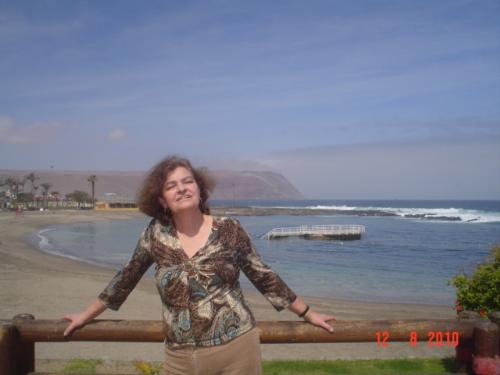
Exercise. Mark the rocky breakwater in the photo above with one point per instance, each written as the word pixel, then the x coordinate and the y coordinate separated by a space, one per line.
pixel 268 211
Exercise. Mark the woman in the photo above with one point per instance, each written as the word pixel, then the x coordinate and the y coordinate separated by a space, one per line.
pixel 207 322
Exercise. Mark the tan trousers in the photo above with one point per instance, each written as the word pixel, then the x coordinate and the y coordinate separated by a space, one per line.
pixel 240 356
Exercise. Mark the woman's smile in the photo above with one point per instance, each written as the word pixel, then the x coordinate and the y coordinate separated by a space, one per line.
pixel 180 190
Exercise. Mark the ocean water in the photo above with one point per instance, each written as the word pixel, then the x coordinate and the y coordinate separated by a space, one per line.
pixel 398 259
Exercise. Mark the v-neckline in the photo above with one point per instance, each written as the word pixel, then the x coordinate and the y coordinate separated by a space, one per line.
pixel 181 248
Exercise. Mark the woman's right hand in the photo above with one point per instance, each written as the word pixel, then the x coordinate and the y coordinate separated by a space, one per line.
pixel 77 321
pixel 80 319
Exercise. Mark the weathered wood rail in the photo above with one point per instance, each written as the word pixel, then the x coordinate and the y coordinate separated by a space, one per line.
pixel 476 348
pixel 338 232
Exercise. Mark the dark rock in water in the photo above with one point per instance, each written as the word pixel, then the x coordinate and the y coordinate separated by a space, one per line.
pixel 445 218
pixel 367 213
pixel 266 211
pixel 432 217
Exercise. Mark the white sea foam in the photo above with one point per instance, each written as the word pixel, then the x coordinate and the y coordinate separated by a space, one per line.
pixel 465 215
pixel 469 216
pixel 43 242
pixel 45 245
pixel 343 208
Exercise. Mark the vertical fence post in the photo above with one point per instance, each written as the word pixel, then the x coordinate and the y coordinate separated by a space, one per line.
pixel 8 342
pixel 25 355
pixel 495 318
pixel 464 350
pixel 486 361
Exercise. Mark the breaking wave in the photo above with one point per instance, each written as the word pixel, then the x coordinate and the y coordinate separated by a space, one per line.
pixel 436 214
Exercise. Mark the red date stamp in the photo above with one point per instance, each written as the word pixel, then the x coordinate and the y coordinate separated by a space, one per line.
pixel 435 339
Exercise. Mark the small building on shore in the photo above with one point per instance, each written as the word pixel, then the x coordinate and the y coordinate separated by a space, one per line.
pixel 115 202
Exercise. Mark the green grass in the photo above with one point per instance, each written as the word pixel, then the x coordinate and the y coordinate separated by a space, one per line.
pixel 360 367
pixel 81 366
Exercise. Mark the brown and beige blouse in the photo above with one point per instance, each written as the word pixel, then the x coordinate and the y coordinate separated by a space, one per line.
pixel 202 301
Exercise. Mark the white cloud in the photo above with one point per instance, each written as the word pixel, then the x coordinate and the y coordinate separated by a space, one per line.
pixel 116 135
pixel 12 132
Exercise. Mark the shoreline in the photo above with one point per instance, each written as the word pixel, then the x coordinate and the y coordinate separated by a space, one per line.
pixel 50 286
pixel 30 239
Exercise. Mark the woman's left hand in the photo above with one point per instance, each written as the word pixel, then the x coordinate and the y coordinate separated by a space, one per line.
pixel 319 320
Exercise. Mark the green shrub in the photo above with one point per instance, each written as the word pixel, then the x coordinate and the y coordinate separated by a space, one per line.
pixel 81 366
pixel 148 368
pixel 481 291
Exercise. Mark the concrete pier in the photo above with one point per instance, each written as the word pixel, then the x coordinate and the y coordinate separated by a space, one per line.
pixel 332 232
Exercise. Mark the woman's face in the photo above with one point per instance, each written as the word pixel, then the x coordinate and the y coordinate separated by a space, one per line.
pixel 180 191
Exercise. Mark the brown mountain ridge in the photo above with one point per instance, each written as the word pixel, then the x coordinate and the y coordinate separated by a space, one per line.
pixel 229 184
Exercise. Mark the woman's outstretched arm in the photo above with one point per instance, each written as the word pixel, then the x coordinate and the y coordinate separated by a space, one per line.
pixel 299 307
pixel 120 286
pixel 79 319
pixel 271 285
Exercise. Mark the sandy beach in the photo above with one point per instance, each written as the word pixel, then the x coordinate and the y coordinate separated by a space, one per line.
pixel 49 287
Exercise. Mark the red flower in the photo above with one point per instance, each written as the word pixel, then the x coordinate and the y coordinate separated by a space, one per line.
pixel 458 306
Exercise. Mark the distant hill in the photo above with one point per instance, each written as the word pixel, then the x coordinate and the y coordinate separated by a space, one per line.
pixel 253 185
pixel 230 184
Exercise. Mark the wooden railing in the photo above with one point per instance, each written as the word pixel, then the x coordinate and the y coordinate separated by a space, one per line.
pixel 476 345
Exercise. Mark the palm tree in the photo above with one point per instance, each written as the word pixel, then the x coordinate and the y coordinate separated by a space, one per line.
pixel 35 188
pixel 11 183
pixel 31 177
pixel 19 183
pixel 2 194
pixel 46 186
pixel 55 195
pixel 93 179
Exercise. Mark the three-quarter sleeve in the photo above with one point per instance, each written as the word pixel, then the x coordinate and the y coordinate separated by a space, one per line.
pixel 127 278
pixel 260 274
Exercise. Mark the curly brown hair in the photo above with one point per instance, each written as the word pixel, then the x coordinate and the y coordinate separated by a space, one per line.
pixel 152 187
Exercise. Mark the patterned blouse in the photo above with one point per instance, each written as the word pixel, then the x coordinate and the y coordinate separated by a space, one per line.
pixel 202 301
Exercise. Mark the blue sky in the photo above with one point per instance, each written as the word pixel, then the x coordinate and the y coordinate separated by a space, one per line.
pixel 119 84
